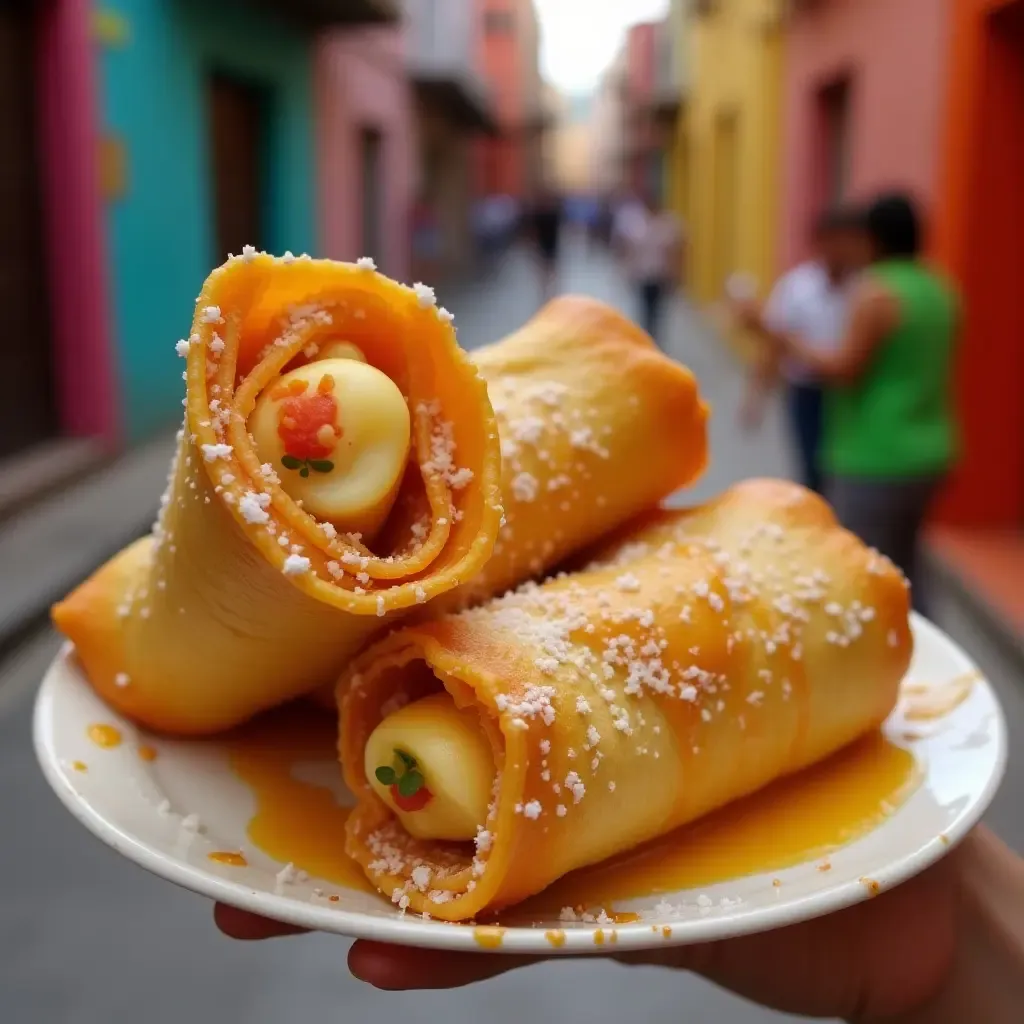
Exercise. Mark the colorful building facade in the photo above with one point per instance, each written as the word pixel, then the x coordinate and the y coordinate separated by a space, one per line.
pixel 60 376
pixel 979 218
pixel 679 35
pixel 643 141
pixel 508 163
pixel 366 161
pixel 863 108
pixel 571 144
pixel 608 134
pixel 210 115
pixel 152 138
pixel 733 142
pixel 452 107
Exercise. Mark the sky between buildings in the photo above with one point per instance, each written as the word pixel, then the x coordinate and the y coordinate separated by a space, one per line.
pixel 579 38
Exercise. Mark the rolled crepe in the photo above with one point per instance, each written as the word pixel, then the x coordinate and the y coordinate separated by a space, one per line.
pixel 596 425
pixel 710 652
pixel 339 462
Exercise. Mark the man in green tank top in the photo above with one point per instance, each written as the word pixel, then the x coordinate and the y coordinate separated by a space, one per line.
pixel 890 431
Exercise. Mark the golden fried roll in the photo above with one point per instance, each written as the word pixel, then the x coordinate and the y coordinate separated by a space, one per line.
pixel 596 425
pixel 339 463
pixel 708 653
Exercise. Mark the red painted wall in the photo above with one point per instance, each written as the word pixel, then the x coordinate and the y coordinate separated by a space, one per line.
pixel 979 224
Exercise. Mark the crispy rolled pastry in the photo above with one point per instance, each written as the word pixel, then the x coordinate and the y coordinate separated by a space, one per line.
pixel 596 426
pixel 339 462
pixel 708 653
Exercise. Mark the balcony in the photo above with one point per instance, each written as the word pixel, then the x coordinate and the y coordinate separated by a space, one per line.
pixel 459 95
pixel 442 62
pixel 321 14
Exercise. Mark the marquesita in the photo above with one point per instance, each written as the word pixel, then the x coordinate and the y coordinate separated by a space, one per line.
pixel 339 464
pixel 706 653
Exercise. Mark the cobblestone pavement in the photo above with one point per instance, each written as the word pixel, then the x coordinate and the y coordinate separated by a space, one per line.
pixel 85 938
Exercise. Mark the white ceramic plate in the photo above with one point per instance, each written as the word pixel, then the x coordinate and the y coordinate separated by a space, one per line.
pixel 139 808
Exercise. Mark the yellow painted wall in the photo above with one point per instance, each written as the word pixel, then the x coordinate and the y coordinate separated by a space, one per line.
pixel 731 143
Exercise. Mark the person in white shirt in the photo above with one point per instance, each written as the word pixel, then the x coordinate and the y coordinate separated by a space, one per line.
pixel 811 301
pixel 651 243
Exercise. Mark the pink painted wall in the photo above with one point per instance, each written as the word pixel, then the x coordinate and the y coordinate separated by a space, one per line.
pixel 640 60
pixel 640 77
pixel 87 394
pixel 361 82
pixel 894 54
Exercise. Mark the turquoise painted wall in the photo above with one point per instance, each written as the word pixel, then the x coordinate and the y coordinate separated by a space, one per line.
pixel 161 231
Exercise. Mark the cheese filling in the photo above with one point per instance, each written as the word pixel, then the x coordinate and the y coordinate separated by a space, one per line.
pixel 431 763
pixel 337 431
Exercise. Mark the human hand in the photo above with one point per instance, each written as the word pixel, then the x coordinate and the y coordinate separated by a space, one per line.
pixel 875 961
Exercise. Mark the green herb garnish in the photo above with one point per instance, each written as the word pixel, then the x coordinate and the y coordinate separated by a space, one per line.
pixel 410 784
pixel 305 465
pixel 404 773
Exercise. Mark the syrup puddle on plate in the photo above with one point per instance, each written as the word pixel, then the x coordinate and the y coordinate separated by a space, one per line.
pixel 796 820
pixel 296 821
pixel 802 818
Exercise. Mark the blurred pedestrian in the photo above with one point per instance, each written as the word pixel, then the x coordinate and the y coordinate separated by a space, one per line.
pixel 890 434
pixel 811 301
pixel 546 223
pixel 651 239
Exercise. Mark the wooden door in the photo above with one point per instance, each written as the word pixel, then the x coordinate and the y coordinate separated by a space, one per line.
pixel 28 410
pixel 238 146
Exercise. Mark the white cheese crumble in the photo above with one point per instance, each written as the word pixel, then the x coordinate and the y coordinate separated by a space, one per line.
pixel 295 565
pixel 525 487
pixel 253 508
pixel 212 452
pixel 532 810
pixel 424 294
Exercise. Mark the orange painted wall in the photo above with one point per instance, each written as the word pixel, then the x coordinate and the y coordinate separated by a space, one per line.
pixel 501 162
pixel 978 232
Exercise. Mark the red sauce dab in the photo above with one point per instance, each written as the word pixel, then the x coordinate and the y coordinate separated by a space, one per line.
pixel 405 782
pixel 416 802
pixel 301 421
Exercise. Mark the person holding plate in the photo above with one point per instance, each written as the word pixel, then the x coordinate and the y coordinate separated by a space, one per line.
pixel 947 947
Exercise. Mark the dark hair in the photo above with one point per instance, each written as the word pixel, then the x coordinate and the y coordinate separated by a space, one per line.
pixel 839 218
pixel 894 226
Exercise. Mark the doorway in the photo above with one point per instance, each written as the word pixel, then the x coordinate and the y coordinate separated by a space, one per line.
pixel 834 133
pixel 28 407
pixel 725 168
pixel 371 145
pixel 238 144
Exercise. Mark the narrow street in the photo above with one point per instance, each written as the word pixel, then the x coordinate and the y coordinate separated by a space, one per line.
pixel 86 938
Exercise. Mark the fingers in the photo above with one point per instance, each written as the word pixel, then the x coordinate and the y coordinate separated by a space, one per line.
pixel 397 967
pixel 400 968
pixel 239 924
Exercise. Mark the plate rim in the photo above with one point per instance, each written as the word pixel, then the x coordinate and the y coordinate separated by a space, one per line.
pixel 579 940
